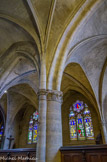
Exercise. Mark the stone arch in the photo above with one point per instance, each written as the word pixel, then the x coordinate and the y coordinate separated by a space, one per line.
pixel 105 108
pixel 23 26
pixel 102 84
pixel 90 43
pixel 76 73
pixel 65 42
pixel 23 98
pixel 26 92
pixel 75 79
pixel 25 49
pixel 70 97
pixel 77 56
pixel 20 126
pixel 104 94
pixel 15 54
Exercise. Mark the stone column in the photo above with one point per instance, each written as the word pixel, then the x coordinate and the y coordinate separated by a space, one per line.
pixel 8 126
pixel 41 144
pixel 104 126
pixel 54 126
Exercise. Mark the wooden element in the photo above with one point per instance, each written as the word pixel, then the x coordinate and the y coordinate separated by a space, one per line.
pixel 18 155
pixel 92 153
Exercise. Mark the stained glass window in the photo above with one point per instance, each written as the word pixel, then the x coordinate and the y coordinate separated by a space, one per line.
pixel 33 128
pixel 88 124
pixel 1 126
pixel 80 127
pixel 1 131
pixel 72 123
pixel 80 122
pixel 78 106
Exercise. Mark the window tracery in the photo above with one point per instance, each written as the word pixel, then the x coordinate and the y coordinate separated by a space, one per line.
pixel 80 122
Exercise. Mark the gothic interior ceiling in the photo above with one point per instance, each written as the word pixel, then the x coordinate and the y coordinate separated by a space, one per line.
pixel 67 37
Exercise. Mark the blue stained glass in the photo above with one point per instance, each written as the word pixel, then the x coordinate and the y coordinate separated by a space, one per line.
pixel 35 131
pixel 86 111
pixel 73 133
pixel 86 105
pixel 88 124
pixel 71 114
pixel 1 131
pixel 78 106
pixel 2 127
pixel 80 122
pixel 80 127
pixel 72 124
pixel 33 128
pixel 35 115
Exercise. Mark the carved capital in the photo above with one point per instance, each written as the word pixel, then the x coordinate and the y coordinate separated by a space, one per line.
pixel 42 94
pixel 50 95
pixel 54 95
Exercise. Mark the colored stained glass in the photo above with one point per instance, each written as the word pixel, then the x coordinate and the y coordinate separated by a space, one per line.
pixel 33 128
pixel 73 133
pixel 80 122
pixel 30 131
pixel 80 127
pixel 35 115
pixel 72 124
pixel 29 137
pixel 86 111
pixel 35 132
pixel 88 124
pixel 78 106
pixel 1 132
pixel 71 114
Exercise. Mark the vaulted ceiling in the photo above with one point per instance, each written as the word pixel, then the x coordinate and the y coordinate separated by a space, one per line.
pixel 70 35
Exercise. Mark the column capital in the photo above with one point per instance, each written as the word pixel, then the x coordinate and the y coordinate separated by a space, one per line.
pixel 54 95
pixel 42 94
pixel 50 95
